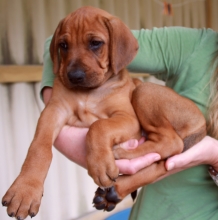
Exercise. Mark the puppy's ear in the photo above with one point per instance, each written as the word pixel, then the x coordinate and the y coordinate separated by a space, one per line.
pixel 123 45
pixel 54 48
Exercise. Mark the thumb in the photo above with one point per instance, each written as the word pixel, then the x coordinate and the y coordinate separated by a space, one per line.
pixel 180 161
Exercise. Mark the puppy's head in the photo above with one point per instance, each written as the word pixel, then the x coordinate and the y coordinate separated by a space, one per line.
pixel 89 46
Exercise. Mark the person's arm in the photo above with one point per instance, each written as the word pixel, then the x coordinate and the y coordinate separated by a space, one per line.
pixel 163 52
pixel 204 152
pixel 47 74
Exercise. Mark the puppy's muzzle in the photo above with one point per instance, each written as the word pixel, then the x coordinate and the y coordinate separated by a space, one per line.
pixel 76 76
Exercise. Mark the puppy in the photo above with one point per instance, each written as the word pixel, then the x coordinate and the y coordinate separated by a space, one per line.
pixel 90 49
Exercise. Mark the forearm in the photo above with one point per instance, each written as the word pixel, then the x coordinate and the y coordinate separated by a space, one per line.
pixel 47 75
pixel 46 94
pixel 158 50
pixel 71 143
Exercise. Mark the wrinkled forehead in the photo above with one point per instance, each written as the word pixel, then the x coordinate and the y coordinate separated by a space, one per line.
pixel 85 24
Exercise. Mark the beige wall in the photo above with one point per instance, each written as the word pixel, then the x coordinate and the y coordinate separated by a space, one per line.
pixel 25 24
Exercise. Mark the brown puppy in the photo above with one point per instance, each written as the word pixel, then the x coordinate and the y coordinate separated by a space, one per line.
pixel 90 49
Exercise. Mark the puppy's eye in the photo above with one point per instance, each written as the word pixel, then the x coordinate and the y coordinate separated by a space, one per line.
pixel 63 45
pixel 95 44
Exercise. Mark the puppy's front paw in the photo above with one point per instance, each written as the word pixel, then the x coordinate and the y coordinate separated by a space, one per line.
pixel 23 198
pixel 106 199
pixel 103 170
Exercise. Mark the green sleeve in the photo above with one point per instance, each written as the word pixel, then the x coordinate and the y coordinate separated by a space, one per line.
pixel 164 51
pixel 47 75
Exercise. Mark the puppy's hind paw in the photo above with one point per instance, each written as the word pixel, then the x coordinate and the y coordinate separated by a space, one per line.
pixel 106 199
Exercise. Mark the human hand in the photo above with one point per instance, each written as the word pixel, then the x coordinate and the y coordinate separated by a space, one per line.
pixel 204 152
pixel 71 143
pixel 134 165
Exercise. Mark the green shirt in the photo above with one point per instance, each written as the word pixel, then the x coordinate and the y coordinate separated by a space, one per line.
pixel 182 57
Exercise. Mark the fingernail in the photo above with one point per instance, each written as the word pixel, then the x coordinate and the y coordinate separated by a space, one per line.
pixel 132 144
pixel 170 166
pixel 156 158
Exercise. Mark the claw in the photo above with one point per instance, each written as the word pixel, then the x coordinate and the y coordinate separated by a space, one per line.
pixel 11 215
pixel 4 203
pixel 32 215
pixel 100 191
pixel 113 179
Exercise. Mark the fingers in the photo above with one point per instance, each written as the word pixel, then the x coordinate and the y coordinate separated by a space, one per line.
pixel 189 158
pixel 134 165
pixel 142 140
pixel 130 144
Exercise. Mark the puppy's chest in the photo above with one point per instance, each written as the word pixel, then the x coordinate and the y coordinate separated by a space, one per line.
pixel 87 111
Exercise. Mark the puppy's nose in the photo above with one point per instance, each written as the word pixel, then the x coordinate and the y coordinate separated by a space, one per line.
pixel 76 76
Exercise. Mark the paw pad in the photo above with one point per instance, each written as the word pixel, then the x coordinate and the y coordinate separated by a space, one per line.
pixel 106 199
